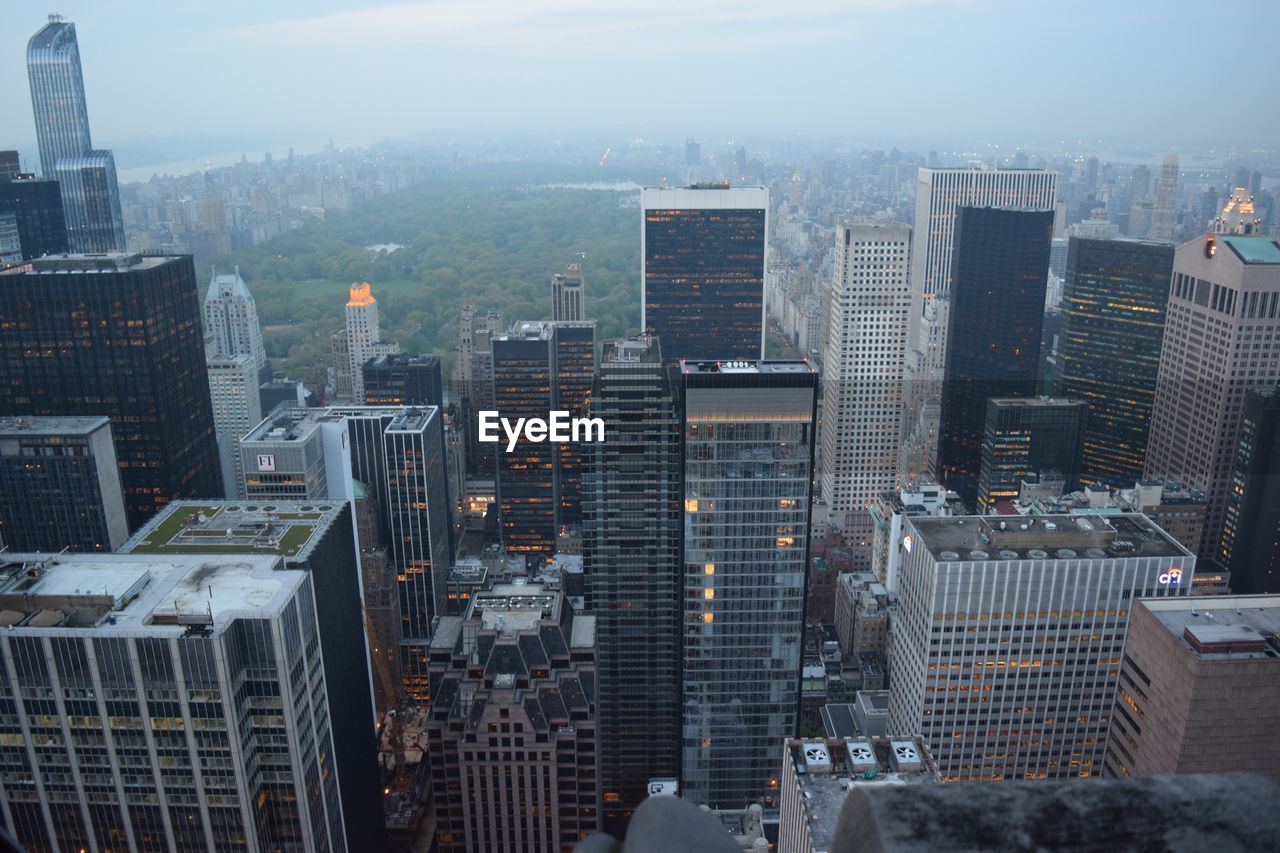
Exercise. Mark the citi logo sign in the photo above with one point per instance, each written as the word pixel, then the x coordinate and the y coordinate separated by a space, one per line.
pixel 1171 577
pixel 558 428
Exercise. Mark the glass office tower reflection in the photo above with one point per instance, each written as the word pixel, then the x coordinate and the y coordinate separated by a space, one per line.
pixel 90 193
pixel 748 451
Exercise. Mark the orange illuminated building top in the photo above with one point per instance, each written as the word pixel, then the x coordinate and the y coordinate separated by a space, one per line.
pixel 361 295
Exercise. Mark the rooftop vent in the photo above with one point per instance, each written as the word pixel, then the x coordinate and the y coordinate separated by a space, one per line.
pixel 861 756
pixel 1095 553
pixel 1066 553
pixel 904 757
pixel 979 555
pixel 816 758
pixel 948 555
pixel 1006 554
pixel 1037 554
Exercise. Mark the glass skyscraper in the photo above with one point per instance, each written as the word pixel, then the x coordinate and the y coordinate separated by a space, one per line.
pixel 1113 310
pixel 523 387
pixel 1000 271
pixel 748 433
pixel 574 347
pixel 90 193
pixel 1029 436
pixel 702 270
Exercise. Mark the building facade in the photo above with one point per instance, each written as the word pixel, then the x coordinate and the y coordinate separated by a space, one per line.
pixel 1250 544
pixel 36 206
pixel 574 347
pixel 567 295
pixel 524 386
pixel 363 340
pixel 402 379
pixel 231 317
pixel 1024 436
pixel 748 434
pixel 237 408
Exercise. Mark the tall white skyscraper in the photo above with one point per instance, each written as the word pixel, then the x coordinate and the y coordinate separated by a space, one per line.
pixel 868 314
pixel 237 408
pixel 1164 214
pixel 940 192
pixel 363 339
pixel 231 317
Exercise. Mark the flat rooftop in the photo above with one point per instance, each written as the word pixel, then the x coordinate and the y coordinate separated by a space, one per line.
pixel 294 423
pixel 163 595
pixel 761 367
pixel 288 529
pixel 58 425
pixel 514 606
pixel 1043 537
pixel 1253 250
pixel 106 263
pixel 1226 627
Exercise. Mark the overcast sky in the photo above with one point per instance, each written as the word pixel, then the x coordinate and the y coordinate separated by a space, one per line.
pixel 254 74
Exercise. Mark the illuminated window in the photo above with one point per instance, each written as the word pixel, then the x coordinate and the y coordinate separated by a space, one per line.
pixel 711 568
pixel 691 505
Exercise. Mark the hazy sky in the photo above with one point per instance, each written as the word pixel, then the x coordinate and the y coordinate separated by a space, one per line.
pixel 253 74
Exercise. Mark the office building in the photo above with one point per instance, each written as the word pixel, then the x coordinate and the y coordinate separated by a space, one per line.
pixel 567 295
pixel 86 177
pixel 231 317
pixel 702 253
pixel 10 241
pixel 359 341
pixel 473 384
pixel 1009 633
pixel 60 485
pixel 818 773
pixel 524 386
pixel 9 165
pixel 1113 311
pixel 634 571
pixel 1023 436
pixel 748 432
pixel 993 339
pixel 317 538
pixel 1199 685
pixel 36 207
pixel 862 612
pixel 940 193
pixel 863 393
pixel 1164 213
pixel 1250 545
pixel 513 721
pixel 237 408
pixel 290 392
pixel 1238 215
pixel 402 379
pixel 139 360
pixel 927 499
pixel 1222 339
pixel 166 702
pixel 574 348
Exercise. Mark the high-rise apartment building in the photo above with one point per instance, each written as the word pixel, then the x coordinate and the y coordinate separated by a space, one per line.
pixel 1024 436
pixel 574 348
pixel 87 177
pixel 402 379
pixel 1250 545
pixel 163 702
pixel 1164 213
pixel 748 433
pixel 36 207
pixel 634 571
pixel 567 295
pixel 524 386
pixel 60 485
pixel 138 359
pixel 1009 634
pixel 1199 685
pixel 869 312
pixel 702 270
pixel 317 538
pixel 237 408
pixel 1222 339
pixel 993 341
pixel 361 341
pixel 1113 310
pixel 940 193
pixel 513 732
pixel 231 317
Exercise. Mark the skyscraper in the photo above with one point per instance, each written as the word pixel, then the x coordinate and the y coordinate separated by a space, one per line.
pixel 1113 309
pixel 237 408
pixel 748 433
pixel 702 270
pixel 60 485
pixel 567 294
pixel 1250 545
pixel 138 359
pixel 1222 339
pixel 473 382
pixel 402 379
pixel 634 571
pixel 524 386
pixel 1164 213
pixel 231 317
pixel 36 206
pixel 167 702
pixel 574 348
pixel 1008 637
pixel 362 341
pixel 940 193
pixel 1026 436
pixel 993 341
pixel 90 193
pixel 869 311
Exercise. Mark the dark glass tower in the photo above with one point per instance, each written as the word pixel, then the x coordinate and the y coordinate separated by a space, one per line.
pixel 523 386
pixel 574 347
pixel 119 336
pixel 1113 311
pixel 633 568
pixel 1250 545
pixel 748 444
pixel 403 380
pixel 37 207
pixel 1029 436
pixel 702 255
pixel 999 273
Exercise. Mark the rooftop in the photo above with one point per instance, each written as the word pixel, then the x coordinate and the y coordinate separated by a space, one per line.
pixel 59 425
pixel 110 262
pixel 1042 537
pixel 1253 250
pixel 515 606
pixel 281 528
pixel 762 367
pixel 1221 627
pixel 167 595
